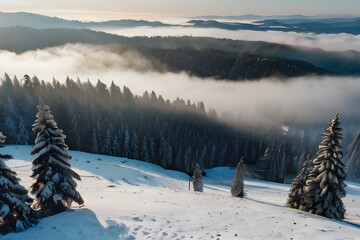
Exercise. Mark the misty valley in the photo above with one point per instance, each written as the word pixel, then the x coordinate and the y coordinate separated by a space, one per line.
pixel 263 107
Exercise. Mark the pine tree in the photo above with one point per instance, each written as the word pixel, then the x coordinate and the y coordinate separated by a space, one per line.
pixel 353 156
pixel 212 157
pixel 115 148
pixel 222 156
pixel 253 153
pixel 134 146
pixel 297 191
pixel 237 186
pixel 325 184
pixel 11 119
pixel 197 182
pixel 202 156
pixel 165 151
pixel 281 166
pixel 106 144
pixel 264 164
pixel 98 131
pixel 152 149
pixel 10 128
pixel 126 148
pixel 94 142
pixel 75 132
pixel 22 136
pixel 54 186
pixel 145 151
pixel 179 159
pixel 187 160
pixel 273 166
pixel 15 212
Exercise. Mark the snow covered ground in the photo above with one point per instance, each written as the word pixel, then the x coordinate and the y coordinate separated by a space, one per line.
pixel 128 199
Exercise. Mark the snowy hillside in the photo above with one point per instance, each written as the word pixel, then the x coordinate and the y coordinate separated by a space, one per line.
pixel 128 199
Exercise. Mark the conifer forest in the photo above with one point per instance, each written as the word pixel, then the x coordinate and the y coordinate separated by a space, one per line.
pixel 172 120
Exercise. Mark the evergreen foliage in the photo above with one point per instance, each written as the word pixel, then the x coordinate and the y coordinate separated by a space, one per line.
pixel 127 141
pixel 178 133
pixel 272 167
pixel 106 144
pixel 296 197
pixel 54 187
pixel 237 186
pixel 15 212
pixel 325 184
pixel 353 157
pixel 197 181
pixel 134 146
pixel 263 164
pixel 116 149
pixel 94 142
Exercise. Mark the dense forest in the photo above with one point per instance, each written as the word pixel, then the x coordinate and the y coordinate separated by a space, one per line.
pixel 175 135
pixel 239 59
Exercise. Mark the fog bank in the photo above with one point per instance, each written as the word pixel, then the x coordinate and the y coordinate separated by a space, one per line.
pixel 308 100
pixel 331 42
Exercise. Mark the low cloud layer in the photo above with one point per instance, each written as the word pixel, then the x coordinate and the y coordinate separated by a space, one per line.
pixel 331 42
pixel 305 100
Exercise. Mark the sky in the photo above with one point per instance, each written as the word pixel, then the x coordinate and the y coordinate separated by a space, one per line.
pixel 183 7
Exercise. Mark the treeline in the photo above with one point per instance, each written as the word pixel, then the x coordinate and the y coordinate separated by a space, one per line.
pixel 114 121
pixel 226 65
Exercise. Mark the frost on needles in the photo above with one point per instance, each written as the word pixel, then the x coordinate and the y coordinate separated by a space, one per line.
pixel 296 197
pixel 15 212
pixel 325 184
pixel 55 188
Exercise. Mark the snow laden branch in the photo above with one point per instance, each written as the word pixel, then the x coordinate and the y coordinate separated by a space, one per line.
pixel 54 188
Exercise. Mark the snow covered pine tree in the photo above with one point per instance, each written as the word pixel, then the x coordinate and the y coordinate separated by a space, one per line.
pixel 297 190
pixel 15 212
pixel 237 186
pixel 325 184
pixel 54 187
pixel 197 182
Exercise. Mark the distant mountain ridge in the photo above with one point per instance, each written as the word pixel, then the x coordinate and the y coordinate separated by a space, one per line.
pixel 203 57
pixel 318 26
pixel 261 17
pixel 293 23
pixel 38 21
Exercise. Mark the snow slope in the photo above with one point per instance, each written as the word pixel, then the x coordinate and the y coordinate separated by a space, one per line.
pixel 128 199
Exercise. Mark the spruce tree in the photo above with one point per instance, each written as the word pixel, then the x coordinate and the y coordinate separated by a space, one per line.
pixel 15 212
pixel 271 174
pixel 105 147
pixel 94 142
pixel 22 136
pixel 353 157
pixel 187 160
pixel 54 186
pixel 237 186
pixel 297 190
pixel 134 146
pixel 263 165
pixel 115 148
pixel 325 185
pixel 145 151
pixel 126 148
pixel 197 182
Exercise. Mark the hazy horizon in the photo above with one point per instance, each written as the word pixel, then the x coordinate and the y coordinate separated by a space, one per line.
pixel 96 10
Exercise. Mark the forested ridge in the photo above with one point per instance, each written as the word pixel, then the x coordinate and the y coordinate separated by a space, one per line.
pixel 239 59
pixel 114 121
